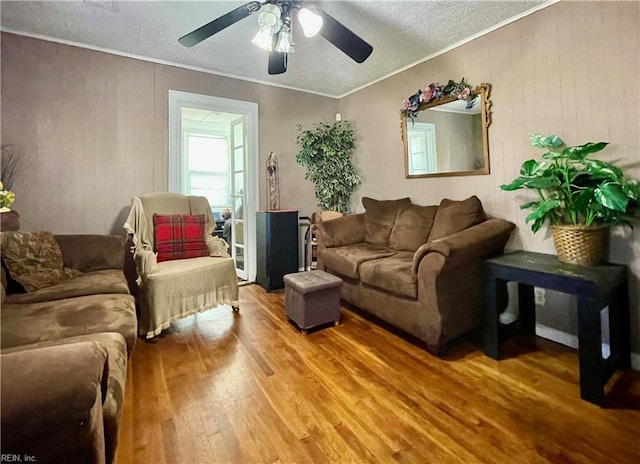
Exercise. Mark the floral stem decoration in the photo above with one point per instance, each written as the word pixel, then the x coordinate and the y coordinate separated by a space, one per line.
pixel 7 197
pixel 459 90
pixel 9 167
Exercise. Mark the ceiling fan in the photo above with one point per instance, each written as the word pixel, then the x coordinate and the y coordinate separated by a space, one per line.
pixel 275 35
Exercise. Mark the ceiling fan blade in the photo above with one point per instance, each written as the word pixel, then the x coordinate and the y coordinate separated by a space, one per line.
pixel 277 62
pixel 215 26
pixel 343 38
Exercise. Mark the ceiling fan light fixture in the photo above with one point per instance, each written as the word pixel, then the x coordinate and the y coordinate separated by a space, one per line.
pixel 285 41
pixel 274 23
pixel 270 17
pixel 270 23
pixel 310 21
pixel 263 39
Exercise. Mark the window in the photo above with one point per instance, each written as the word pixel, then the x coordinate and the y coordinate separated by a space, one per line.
pixel 423 157
pixel 207 172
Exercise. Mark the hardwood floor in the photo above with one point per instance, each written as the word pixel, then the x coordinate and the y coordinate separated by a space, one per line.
pixel 250 388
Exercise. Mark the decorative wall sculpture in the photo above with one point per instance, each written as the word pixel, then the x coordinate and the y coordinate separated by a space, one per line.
pixel 273 182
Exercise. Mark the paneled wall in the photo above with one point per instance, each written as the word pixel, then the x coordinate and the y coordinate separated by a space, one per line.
pixel 571 69
pixel 93 131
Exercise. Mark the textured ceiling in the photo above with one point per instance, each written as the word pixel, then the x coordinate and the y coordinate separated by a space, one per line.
pixel 401 33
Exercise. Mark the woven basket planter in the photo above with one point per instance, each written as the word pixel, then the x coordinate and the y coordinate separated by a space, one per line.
pixel 579 244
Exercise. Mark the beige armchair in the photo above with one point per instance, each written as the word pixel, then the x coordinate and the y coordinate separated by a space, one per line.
pixel 174 289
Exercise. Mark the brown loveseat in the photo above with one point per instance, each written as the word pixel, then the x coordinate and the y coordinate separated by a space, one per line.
pixel 64 352
pixel 415 267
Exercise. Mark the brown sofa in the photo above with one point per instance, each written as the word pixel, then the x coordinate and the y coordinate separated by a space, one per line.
pixel 415 267
pixel 64 352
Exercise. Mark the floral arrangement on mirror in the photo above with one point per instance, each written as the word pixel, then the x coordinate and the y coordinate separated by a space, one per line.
pixel 9 167
pixel 461 90
pixel 7 197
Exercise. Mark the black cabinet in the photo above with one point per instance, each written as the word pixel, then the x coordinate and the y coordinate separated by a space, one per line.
pixel 277 247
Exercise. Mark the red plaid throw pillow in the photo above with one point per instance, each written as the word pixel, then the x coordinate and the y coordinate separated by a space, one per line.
pixel 179 236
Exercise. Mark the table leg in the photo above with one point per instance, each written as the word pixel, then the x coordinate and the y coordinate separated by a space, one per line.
pixel 527 308
pixel 491 317
pixel 619 326
pixel 590 350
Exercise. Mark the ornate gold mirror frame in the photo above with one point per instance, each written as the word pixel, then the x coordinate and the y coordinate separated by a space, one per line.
pixel 443 138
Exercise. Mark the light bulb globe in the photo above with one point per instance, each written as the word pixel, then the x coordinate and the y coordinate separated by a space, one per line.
pixel 311 22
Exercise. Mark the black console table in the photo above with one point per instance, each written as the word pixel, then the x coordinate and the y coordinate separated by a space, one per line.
pixel 595 288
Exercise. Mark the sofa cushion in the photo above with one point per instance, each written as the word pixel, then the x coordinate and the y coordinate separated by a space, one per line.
pixel 23 324
pixel 346 230
pixel 90 283
pixel 115 382
pixel 346 259
pixel 34 260
pixel 179 236
pixel 92 252
pixel 412 227
pixel 379 218
pixel 392 274
pixel 456 216
pixel 52 403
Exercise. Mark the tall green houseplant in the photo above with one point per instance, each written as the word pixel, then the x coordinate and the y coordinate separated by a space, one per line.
pixel 326 152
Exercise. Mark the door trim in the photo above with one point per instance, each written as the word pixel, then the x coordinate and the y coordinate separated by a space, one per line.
pixel 178 100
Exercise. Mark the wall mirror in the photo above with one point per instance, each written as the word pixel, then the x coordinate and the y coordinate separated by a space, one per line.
pixel 444 138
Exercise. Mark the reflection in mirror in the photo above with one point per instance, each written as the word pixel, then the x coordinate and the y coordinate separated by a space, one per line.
pixel 446 138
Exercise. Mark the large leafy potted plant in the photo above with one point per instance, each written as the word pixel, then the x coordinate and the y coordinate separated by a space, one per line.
pixel 579 196
pixel 326 153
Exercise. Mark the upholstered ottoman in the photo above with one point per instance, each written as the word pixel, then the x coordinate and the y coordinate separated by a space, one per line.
pixel 312 298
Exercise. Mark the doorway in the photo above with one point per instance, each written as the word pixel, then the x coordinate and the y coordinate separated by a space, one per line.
pixel 213 152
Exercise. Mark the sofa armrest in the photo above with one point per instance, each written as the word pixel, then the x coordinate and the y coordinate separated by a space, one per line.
pixel 52 402
pixel 482 240
pixel 146 262
pixel 217 247
pixel 89 252
pixel 345 230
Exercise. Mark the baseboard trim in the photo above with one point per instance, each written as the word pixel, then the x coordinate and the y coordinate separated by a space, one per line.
pixel 571 341
pixel 557 336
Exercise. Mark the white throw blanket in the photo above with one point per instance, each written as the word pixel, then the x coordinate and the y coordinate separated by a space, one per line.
pixel 171 290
